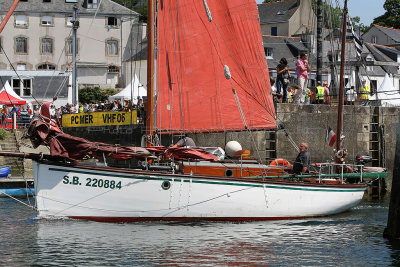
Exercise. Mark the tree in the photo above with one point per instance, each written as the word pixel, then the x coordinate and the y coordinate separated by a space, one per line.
pixel 94 94
pixel 391 18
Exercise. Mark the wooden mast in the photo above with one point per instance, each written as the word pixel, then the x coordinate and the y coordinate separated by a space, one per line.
pixel 150 71
pixel 340 103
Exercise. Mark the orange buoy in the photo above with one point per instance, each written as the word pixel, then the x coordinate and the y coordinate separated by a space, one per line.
pixel 280 161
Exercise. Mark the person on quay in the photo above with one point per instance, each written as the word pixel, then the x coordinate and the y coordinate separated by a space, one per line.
pixel 282 79
pixel 365 92
pixel 351 96
pixel 327 97
pixel 320 93
pixel 302 77
pixel 303 160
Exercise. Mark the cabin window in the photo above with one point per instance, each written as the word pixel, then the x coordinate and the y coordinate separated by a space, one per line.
pixel 274 31
pixel 269 52
pixel 46 21
pixel 112 47
pixel 21 21
pixel 46 66
pixel 21 45
pixel 113 69
pixel 47 46
pixel 112 22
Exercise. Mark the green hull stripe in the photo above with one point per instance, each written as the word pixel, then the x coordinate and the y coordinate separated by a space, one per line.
pixel 211 182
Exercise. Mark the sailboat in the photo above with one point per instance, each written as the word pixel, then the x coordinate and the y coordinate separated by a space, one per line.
pixel 210 69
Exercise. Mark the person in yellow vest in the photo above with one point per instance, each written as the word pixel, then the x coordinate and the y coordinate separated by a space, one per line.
pixel 319 96
pixel 365 92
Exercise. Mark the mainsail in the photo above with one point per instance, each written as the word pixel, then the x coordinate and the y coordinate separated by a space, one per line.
pixel 197 40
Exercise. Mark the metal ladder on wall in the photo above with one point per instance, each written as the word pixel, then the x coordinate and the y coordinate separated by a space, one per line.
pixel 270 146
pixel 377 150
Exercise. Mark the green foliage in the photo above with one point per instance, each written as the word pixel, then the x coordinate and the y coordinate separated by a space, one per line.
pixel 391 18
pixel 131 4
pixel 95 94
pixel 3 134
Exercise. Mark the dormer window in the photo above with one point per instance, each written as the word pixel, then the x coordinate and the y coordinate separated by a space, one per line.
pixel 374 39
pixel 91 4
pixel 269 52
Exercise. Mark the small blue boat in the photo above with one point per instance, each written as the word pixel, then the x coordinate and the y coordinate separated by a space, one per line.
pixel 4 172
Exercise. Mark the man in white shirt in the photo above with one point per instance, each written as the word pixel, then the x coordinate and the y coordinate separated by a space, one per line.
pixel 351 96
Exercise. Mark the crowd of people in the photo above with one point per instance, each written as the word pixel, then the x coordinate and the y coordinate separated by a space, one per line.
pixel 302 94
pixel 24 112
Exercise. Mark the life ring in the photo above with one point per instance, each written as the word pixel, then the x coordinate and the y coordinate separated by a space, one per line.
pixel 280 162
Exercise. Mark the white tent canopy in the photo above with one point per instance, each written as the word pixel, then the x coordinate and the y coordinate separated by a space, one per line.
pixel 386 94
pixel 133 91
pixel 10 91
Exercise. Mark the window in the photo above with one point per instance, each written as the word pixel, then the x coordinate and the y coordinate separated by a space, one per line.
pixel 21 45
pixel 46 66
pixel 46 1
pixel 113 69
pixel 374 86
pixel 269 52
pixel 47 46
pixel 21 21
pixel 274 31
pixel 68 48
pixel 112 47
pixel 22 87
pixel 369 59
pixel 68 21
pixel 21 66
pixel 1 43
pixel 374 39
pixel 27 90
pixel 71 1
pixel 91 3
pixel 47 21
pixel 112 21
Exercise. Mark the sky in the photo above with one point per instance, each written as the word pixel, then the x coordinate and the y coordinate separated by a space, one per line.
pixel 367 10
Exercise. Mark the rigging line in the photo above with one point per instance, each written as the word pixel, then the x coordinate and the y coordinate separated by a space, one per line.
pixel 23 203
pixel 19 78
pixel 54 71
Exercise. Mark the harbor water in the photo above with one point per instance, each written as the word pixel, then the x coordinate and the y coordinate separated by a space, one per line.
pixel 353 238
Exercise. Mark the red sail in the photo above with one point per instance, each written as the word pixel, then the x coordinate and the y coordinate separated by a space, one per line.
pixel 192 92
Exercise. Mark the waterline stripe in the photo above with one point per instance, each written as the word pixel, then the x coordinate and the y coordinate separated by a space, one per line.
pixel 161 178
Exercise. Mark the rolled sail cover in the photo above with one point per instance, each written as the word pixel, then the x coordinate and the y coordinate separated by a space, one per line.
pixel 193 93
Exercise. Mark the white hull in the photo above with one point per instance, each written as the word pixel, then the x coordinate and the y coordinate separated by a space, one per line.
pixel 138 195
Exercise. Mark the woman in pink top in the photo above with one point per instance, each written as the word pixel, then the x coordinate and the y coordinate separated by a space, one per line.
pixel 302 77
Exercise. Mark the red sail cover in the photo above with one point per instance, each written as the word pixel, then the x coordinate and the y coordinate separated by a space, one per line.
pixel 192 92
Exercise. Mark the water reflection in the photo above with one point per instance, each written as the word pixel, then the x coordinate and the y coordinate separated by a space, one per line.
pixel 350 239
